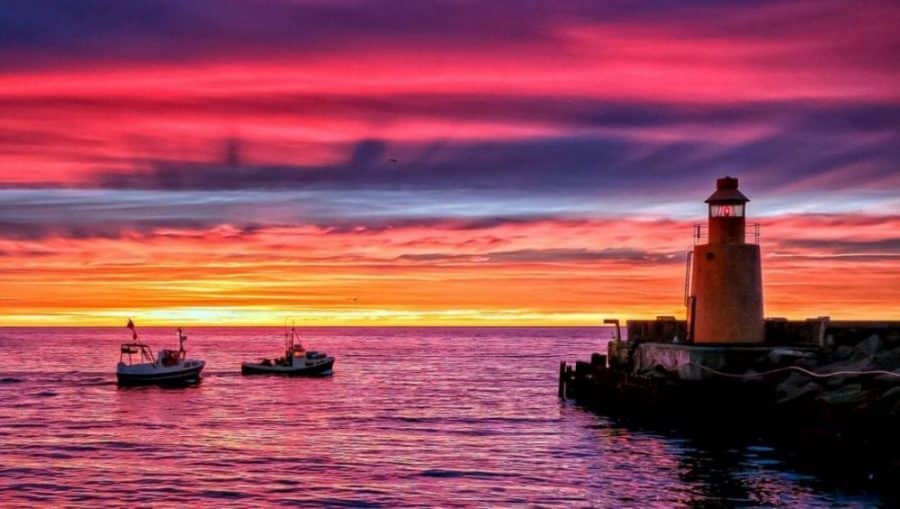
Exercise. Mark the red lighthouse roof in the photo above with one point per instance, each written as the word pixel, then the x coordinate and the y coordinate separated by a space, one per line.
pixel 727 192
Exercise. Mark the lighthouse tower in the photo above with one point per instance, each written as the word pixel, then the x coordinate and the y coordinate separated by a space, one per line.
pixel 725 303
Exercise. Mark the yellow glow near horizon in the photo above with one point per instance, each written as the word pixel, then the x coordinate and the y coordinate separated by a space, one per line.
pixel 261 317
pixel 375 278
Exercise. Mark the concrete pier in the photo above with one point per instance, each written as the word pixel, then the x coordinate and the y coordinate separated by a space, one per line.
pixel 647 374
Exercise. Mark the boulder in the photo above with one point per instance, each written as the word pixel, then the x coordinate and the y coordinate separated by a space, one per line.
pixel 867 347
pixel 794 380
pixel 842 353
pixel 888 359
pixel 856 362
pixel 810 363
pixel 834 382
pixel 791 393
pixel 851 394
pixel 893 392
pixel 657 372
pixel 781 356
pixel 892 339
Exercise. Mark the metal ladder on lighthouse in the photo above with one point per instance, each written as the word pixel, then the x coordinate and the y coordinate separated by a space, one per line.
pixel 690 300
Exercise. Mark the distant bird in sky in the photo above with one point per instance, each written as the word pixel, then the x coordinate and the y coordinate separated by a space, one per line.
pixel 355 299
pixel 393 160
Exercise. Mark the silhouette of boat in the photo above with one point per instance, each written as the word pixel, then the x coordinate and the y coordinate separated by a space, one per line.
pixel 296 361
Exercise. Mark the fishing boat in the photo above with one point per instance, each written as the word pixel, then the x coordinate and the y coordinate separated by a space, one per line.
pixel 138 366
pixel 296 361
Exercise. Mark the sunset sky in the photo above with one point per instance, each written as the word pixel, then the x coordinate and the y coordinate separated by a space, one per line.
pixel 498 163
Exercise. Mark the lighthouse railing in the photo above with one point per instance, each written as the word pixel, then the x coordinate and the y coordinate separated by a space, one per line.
pixel 752 234
pixel 700 234
pixel 689 260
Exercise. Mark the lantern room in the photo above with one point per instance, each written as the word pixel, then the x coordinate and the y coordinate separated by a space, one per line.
pixel 727 207
pixel 735 210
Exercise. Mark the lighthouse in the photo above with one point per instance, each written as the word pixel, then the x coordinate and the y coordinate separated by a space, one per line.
pixel 724 298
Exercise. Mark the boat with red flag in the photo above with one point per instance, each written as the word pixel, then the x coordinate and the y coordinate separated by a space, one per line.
pixel 138 366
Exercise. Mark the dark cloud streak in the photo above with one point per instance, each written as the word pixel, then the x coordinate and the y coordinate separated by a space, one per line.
pixel 548 166
pixel 573 255
pixel 36 34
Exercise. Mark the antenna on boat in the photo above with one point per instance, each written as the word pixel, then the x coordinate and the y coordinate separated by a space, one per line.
pixel 287 339
pixel 181 338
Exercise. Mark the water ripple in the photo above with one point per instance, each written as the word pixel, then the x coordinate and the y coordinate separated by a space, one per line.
pixel 411 417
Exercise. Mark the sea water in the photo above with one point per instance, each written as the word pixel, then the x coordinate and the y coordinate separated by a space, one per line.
pixel 411 417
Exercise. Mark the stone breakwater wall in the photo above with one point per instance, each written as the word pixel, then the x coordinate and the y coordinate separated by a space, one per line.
pixel 852 382
pixel 861 379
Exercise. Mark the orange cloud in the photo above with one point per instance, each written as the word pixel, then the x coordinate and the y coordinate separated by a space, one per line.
pixel 548 271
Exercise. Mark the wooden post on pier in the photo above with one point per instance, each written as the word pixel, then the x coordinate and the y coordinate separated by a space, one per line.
pixel 562 380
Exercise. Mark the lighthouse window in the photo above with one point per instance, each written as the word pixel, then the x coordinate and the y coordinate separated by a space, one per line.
pixel 733 210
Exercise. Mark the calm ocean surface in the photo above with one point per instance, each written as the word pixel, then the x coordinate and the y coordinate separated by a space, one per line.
pixel 411 417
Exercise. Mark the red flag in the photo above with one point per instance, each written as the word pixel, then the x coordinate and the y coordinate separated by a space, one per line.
pixel 133 331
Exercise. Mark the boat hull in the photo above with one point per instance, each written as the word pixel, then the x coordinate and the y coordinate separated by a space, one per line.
pixel 320 369
pixel 176 376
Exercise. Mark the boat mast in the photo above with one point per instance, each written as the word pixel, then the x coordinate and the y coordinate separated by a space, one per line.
pixel 181 338
pixel 288 346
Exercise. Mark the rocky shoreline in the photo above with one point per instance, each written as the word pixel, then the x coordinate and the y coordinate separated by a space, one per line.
pixel 867 387
pixel 844 398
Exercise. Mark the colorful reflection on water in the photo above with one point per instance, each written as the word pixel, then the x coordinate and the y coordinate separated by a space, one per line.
pixel 411 417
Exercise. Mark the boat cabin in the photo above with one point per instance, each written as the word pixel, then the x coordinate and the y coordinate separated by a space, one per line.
pixel 170 357
pixel 142 352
